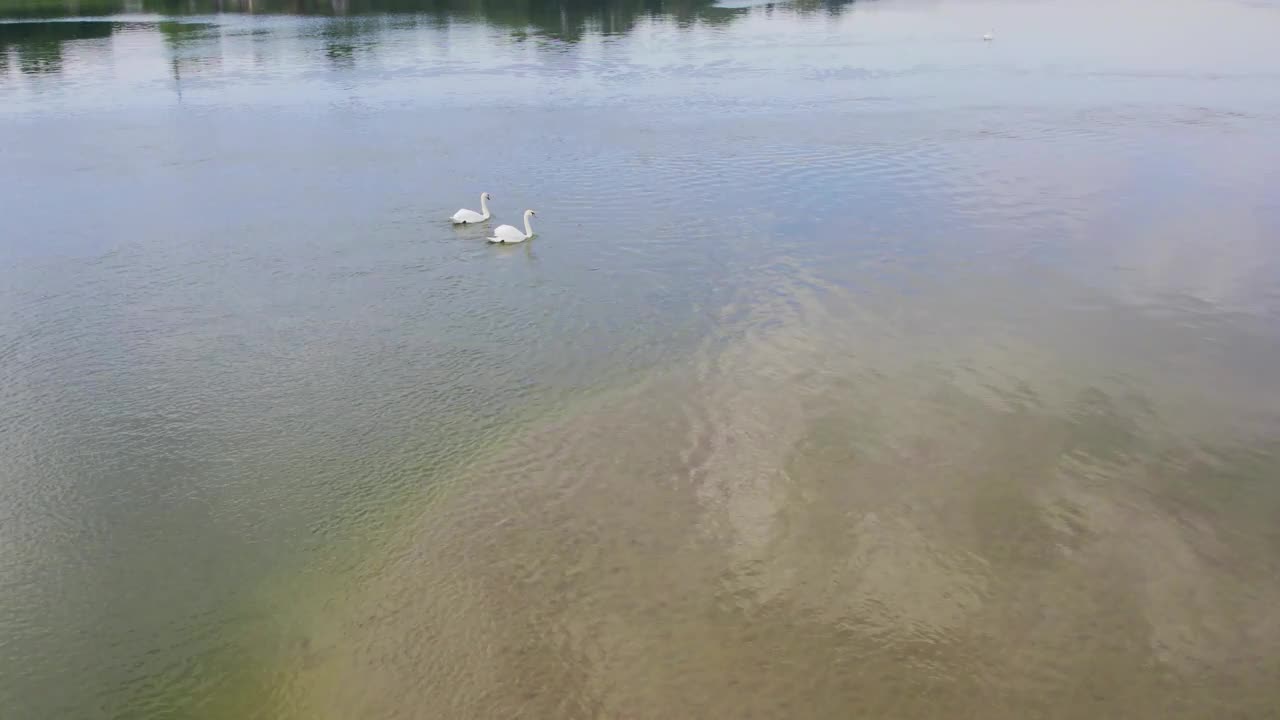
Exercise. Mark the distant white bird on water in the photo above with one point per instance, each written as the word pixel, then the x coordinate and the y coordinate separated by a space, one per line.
pixel 508 234
pixel 465 216
pixel 989 36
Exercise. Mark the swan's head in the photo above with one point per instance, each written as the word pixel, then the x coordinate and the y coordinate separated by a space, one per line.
pixel 530 213
pixel 486 196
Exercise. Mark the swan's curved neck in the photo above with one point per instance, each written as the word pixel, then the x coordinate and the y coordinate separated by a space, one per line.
pixel 528 229
pixel 484 206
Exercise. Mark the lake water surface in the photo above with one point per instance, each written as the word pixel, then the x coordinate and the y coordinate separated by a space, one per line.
pixel 859 368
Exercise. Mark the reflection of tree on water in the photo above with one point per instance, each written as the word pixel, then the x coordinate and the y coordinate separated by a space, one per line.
pixel 176 35
pixel 565 19
pixel 831 7
pixel 17 9
pixel 38 45
pixel 570 19
pixel 342 40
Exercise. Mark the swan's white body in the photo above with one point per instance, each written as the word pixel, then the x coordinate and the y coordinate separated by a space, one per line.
pixel 465 216
pixel 509 234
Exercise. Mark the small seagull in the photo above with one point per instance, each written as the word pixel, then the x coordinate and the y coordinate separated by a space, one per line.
pixel 988 37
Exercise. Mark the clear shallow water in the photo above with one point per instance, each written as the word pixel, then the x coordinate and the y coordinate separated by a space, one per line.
pixel 859 367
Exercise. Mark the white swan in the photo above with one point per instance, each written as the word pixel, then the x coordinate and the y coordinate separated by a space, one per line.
pixel 508 234
pixel 464 216
pixel 989 37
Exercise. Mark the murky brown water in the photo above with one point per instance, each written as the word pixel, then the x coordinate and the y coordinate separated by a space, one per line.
pixel 860 368
pixel 823 517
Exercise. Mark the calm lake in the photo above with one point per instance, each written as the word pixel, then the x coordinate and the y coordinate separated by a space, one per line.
pixel 860 367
